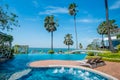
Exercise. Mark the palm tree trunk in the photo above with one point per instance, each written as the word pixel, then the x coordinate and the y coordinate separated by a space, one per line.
pixel 108 27
pixel 52 40
pixel 76 32
pixel 10 44
pixel 103 41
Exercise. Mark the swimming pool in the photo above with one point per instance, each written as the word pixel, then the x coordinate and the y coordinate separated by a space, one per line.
pixel 60 73
pixel 19 62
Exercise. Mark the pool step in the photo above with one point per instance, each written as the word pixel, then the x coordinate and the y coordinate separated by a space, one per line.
pixel 18 75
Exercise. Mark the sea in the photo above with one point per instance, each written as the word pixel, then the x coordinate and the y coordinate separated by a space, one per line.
pixel 45 50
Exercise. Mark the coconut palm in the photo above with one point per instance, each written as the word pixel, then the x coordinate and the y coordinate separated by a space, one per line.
pixel 73 12
pixel 50 25
pixel 102 29
pixel 108 26
pixel 68 40
pixel 112 26
pixel 80 46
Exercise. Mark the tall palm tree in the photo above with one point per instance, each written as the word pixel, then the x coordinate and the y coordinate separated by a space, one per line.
pixel 108 26
pixel 80 46
pixel 68 40
pixel 50 25
pixel 73 12
pixel 102 29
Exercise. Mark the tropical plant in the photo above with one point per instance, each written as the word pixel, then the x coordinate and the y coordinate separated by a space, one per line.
pixel 7 19
pixel 89 47
pixel 118 47
pixel 73 12
pixel 118 36
pixel 50 25
pixel 51 52
pixel 102 29
pixel 94 45
pixel 16 48
pixel 10 39
pixel 90 53
pixel 68 40
pixel 80 46
pixel 4 38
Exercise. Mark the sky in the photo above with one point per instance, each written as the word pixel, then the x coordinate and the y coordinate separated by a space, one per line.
pixel 31 15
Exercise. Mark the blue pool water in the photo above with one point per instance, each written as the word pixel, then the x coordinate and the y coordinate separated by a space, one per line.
pixel 19 62
pixel 61 73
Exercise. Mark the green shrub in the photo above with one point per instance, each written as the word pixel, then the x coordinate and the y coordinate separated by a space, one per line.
pixel 89 57
pixel 108 56
pixel 51 52
pixel 90 53
pixel 118 47
pixel 105 58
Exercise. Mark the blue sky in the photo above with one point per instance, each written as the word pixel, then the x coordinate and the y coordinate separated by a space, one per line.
pixel 32 13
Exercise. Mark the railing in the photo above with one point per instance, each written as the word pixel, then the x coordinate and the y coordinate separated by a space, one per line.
pixel 96 51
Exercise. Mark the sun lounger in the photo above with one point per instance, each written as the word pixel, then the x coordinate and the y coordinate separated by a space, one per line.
pixel 89 63
pixel 100 62
pixel 93 62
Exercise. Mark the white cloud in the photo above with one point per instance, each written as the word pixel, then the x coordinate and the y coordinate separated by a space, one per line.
pixel 116 5
pixel 54 10
pixel 35 3
pixel 89 20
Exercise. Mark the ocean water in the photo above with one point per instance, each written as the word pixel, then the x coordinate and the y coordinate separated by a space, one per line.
pixel 45 50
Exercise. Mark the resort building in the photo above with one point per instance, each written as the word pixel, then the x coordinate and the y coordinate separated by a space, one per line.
pixel 115 40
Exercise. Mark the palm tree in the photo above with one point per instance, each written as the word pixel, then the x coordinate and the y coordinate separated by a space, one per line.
pixel 80 46
pixel 50 25
pixel 102 29
pixel 73 12
pixel 108 26
pixel 68 40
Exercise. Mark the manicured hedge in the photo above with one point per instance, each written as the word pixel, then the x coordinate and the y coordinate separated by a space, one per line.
pixel 110 55
pixel 51 52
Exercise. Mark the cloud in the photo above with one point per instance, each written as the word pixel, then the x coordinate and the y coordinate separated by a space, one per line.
pixel 116 5
pixel 85 20
pixel 54 10
pixel 35 3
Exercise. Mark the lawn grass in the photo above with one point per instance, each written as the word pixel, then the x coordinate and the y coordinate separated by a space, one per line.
pixel 107 56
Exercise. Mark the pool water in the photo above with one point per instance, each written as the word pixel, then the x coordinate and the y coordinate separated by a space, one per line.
pixel 61 73
pixel 20 61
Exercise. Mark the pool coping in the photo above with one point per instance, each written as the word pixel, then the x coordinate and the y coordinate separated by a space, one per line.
pixel 79 67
